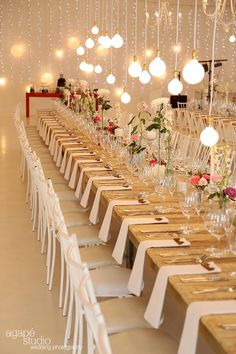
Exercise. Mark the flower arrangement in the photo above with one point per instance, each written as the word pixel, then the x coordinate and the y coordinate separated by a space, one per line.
pixel 138 122
pixel 199 180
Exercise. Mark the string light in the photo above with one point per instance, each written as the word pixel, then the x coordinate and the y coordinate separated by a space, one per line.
pixel 135 68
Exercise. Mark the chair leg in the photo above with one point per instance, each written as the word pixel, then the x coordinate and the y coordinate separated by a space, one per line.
pixel 69 317
pixel 62 279
pixel 66 293
pixel 53 260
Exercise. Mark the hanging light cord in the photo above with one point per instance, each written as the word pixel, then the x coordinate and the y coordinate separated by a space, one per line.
pixel 177 37
pixel 126 39
pixel 136 27
pixel 213 64
pixel 158 25
pixel 145 38
pixel 111 31
pixel 118 15
pixel 195 27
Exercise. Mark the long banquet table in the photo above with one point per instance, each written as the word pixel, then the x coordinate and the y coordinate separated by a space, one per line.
pixel 179 293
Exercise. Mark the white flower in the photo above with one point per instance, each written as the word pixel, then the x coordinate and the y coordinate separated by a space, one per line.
pixel 103 92
pixel 71 82
pixel 202 182
pixel 158 101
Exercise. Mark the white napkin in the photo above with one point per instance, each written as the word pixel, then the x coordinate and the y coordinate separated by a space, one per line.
pixel 154 308
pixel 136 276
pixel 53 141
pixel 69 163
pixel 57 146
pixel 78 192
pixel 59 156
pixel 85 197
pixel 193 315
pixel 105 227
pixel 119 248
pixel 93 217
pixel 63 164
pixel 74 173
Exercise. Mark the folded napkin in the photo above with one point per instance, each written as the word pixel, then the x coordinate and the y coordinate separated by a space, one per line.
pixel 154 308
pixel 69 163
pixel 59 155
pixel 78 192
pixel 105 227
pixel 119 248
pixel 93 217
pixel 57 145
pixel 136 276
pixel 193 315
pixel 74 172
pixel 53 141
pixel 63 164
pixel 85 197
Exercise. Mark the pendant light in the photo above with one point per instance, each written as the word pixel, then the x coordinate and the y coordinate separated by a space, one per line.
pixel 89 43
pixel 80 50
pixel 135 68
pixel 175 86
pixel 111 79
pixel 157 67
pixel 125 97
pixel 209 136
pixel 193 72
pixel 145 77
pixel 98 69
pixel 117 40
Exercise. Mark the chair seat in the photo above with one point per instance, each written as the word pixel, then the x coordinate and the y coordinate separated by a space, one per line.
pixel 97 256
pixel 74 218
pixel 140 341
pixel 124 314
pixel 110 281
pixel 87 235
pixel 66 195
pixel 71 205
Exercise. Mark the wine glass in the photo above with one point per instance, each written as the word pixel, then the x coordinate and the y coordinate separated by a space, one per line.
pixel 187 207
pixel 217 222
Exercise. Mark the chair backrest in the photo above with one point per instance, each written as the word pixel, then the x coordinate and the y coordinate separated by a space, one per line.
pixel 93 314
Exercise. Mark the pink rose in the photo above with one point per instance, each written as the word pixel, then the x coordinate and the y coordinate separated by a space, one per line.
pixel 153 162
pixel 202 182
pixel 97 119
pixel 134 137
pixel 216 178
pixel 194 179
pixel 206 176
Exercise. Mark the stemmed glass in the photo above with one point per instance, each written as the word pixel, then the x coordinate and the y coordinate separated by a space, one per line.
pixel 217 223
pixel 187 207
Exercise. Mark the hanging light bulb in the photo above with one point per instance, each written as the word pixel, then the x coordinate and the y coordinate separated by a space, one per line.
pixel 95 29
pixel 193 72
pixel 80 50
pixel 232 38
pixel 89 43
pixel 209 136
pixel 111 79
pixel 83 65
pixel 125 97
pixel 2 81
pixel 89 68
pixel 144 77
pixel 100 39
pixel 157 67
pixel 175 86
pixel 106 42
pixel 117 40
pixel 134 68
pixel 98 69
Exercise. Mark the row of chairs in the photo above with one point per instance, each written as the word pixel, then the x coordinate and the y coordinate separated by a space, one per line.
pixel 87 269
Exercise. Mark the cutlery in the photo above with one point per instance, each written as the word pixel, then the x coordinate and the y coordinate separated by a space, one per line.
pixel 230 326
pixel 212 290
pixel 203 279
pixel 179 254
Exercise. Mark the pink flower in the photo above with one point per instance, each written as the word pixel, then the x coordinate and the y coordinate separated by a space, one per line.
pixel 202 182
pixel 153 162
pixel 97 119
pixel 194 179
pixel 231 193
pixel 216 178
pixel 142 106
pixel 206 176
pixel 134 137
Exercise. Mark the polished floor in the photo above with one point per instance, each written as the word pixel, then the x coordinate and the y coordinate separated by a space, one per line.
pixel 29 313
